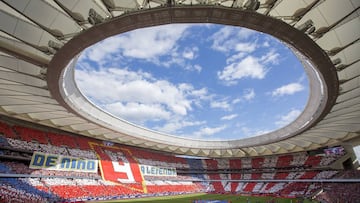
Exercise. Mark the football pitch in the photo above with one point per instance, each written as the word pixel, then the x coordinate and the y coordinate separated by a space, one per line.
pixel 189 198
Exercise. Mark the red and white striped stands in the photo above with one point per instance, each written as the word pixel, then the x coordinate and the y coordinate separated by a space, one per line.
pixel 120 174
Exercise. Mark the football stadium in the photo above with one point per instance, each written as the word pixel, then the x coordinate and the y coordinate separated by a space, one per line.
pixel 111 101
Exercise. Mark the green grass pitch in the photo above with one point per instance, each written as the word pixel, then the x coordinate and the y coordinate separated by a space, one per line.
pixel 190 197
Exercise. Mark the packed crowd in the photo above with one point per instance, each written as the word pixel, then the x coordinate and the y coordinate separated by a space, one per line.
pixel 193 175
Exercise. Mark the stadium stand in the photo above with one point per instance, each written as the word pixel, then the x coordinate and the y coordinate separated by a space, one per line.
pixel 42 164
pixel 237 176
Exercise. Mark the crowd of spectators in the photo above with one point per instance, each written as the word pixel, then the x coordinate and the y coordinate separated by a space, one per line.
pixel 283 188
pixel 14 167
pixel 340 192
pixel 9 193
pixel 194 174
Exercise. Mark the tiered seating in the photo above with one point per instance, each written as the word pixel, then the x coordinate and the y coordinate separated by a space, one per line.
pixel 10 194
pixel 68 192
pixel 327 160
pixel 108 191
pixel 284 161
pixel 195 164
pixel 298 159
pixel 338 192
pixel 267 187
pixel 82 153
pixel 351 174
pixel 309 175
pixel 174 188
pixel 155 156
pixel 234 185
pixel 246 163
pixel 281 175
pixel 16 167
pixel 270 162
pixel 249 187
pixel 83 143
pixel 14 187
pixel 28 134
pixel 6 130
pixel 211 164
pixel 313 161
pixel 257 187
pixel 272 188
pixel 268 176
pixel 223 164
pixel 294 189
pixel 61 140
pixel 75 188
pixel 219 171
pixel 257 162
pixel 3 141
pixel 256 176
pixel 325 174
pixel 235 163
pixel 313 187
pixel 224 182
pixel 246 176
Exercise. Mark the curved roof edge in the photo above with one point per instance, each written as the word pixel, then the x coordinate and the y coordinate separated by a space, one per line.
pixel 321 75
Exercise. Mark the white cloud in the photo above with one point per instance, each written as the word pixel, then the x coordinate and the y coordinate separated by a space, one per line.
pixel 249 67
pixel 235 57
pixel 266 44
pixel 190 53
pixel 249 94
pixel 220 104
pixel 195 67
pixel 227 104
pixel 271 57
pixel 229 117
pixel 245 47
pixel 137 112
pixel 227 38
pixel 288 89
pixel 126 93
pixel 147 43
pixel 288 118
pixel 174 125
pixel 237 100
pixel 245 33
pixel 207 131
pixel 220 39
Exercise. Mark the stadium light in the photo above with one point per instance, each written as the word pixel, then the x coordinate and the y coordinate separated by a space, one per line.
pixel 54 45
pixel 307 27
pixel 94 18
pixel 252 5
pixel 336 61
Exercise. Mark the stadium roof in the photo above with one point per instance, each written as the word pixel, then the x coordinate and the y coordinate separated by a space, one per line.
pixel 41 39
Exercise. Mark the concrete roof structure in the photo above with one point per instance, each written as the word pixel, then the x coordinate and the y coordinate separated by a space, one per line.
pixel 41 39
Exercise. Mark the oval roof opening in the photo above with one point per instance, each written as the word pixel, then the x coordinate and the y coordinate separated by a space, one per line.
pixel 199 81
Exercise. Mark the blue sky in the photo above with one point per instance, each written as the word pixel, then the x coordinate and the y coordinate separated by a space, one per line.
pixel 200 81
